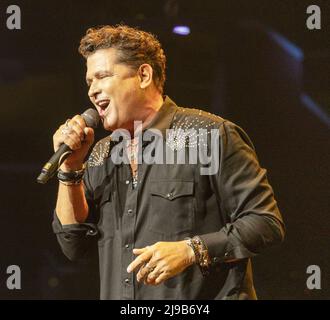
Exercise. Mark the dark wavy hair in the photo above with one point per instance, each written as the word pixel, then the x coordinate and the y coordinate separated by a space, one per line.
pixel 134 46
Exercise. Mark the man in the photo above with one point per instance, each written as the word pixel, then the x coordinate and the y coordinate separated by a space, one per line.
pixel 163 230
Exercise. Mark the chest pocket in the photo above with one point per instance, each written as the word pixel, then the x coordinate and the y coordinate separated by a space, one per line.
pixel 172 206
pixel 107 220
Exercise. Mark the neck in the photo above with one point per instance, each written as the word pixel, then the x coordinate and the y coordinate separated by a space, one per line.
pixel 150 108
pixel 153 108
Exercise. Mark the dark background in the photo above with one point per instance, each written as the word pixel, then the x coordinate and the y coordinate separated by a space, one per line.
pixel 252 62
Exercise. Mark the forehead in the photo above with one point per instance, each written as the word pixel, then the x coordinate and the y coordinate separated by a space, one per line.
pixel 103 59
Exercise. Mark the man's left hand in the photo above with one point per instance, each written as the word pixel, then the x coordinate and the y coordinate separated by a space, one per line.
pixel 161 261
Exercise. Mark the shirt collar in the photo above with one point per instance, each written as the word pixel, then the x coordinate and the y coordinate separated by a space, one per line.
pixel 164 116
pixel 162 120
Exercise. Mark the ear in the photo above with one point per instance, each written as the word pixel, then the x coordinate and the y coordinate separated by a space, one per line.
pixel 145 75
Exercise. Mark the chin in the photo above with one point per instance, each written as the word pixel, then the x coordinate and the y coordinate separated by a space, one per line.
pixel 109 124
pixel 106 126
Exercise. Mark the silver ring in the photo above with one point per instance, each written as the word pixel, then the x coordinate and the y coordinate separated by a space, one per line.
pixel 150 269
pixel 67 129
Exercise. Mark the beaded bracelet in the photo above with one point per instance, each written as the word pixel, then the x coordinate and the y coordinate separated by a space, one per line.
pixel 201 254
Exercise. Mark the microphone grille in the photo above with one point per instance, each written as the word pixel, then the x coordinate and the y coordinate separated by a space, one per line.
pixel 91 118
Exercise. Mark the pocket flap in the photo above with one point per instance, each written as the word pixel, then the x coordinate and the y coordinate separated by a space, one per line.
pixel 171 189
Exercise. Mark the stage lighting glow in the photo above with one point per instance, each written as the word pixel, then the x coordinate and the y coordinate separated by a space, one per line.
pixel 181 30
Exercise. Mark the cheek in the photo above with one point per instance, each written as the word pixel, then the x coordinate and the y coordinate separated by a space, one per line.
pixel 124 99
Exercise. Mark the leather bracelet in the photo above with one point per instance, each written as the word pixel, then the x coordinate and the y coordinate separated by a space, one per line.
pixel 71 183
pixel 71 176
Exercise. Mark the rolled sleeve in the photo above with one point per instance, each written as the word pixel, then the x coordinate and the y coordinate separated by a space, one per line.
pixel 74 238
pixel 246 198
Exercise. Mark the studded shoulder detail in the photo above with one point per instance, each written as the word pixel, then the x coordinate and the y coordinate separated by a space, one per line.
pixel 99 153
pixel 191 127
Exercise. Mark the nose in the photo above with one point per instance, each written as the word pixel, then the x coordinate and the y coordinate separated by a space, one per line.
pixel 93 90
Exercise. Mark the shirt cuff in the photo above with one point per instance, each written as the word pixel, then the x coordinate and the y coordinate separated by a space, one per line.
pixel 220 248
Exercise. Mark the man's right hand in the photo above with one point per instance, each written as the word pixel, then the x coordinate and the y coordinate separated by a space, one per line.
pixel 78 137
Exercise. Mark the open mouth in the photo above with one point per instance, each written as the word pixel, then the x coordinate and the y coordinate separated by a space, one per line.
pixel 103 105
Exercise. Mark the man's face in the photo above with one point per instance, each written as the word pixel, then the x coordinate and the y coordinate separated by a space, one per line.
pixel 113 89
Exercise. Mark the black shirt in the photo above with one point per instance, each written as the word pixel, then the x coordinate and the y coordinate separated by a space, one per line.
pixel 233 210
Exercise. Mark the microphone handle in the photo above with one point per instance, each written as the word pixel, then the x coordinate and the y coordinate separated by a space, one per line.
pixel 50 168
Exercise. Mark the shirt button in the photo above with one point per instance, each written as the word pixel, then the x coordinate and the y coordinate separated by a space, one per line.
pixel 127 181
pixel 127 281
pixel 215 259
pixel 129 211
pixel 169 195
pixel 126 246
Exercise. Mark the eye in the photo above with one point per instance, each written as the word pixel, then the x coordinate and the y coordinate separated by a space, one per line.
pixel 105 75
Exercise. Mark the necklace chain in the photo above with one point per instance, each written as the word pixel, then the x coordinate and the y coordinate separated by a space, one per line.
pixel 132 152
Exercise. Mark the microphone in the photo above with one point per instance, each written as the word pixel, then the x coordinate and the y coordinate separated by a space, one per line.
pixel 92 119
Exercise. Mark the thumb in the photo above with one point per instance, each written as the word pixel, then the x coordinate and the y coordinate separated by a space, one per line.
pixel 89 132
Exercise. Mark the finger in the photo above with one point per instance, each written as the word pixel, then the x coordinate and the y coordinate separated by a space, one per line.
pixel 70 138
pixel 161 278
pixel 73 142
pixel 144 271
pixel 61 130
pixel 143 258
pixel 78 130
pixel 79 120
pixel 73 135
pixel 152 276
pixel 89 135
pixel 58 138
pixel 140 251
